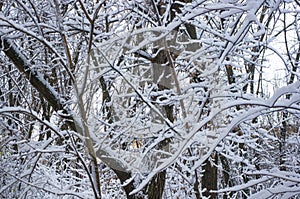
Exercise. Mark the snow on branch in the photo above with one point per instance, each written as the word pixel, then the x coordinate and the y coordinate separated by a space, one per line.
pixel 35 78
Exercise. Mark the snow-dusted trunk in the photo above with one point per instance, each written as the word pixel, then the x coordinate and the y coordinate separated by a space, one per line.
pixel 161 68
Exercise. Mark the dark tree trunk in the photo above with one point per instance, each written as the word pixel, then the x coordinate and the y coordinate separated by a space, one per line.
pixel 210 176
pixel 156 187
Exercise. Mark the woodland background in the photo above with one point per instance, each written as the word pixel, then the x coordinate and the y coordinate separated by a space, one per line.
pixel 149 99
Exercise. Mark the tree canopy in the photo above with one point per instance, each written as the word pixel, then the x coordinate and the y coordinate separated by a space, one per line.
pixel 149 99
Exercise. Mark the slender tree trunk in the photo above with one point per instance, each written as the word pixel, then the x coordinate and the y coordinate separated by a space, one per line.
pixel 210 176
pixel 156 186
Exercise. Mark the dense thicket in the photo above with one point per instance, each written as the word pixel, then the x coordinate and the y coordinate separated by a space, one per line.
pixel 149 99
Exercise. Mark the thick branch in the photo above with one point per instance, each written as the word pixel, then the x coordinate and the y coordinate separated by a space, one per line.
pixel 36 80
pixel 42 86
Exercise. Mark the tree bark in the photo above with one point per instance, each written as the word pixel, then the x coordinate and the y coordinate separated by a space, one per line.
pixel 210 176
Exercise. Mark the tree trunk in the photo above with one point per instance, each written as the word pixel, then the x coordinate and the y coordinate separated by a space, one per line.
pixel 210 176
pixel 156 186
